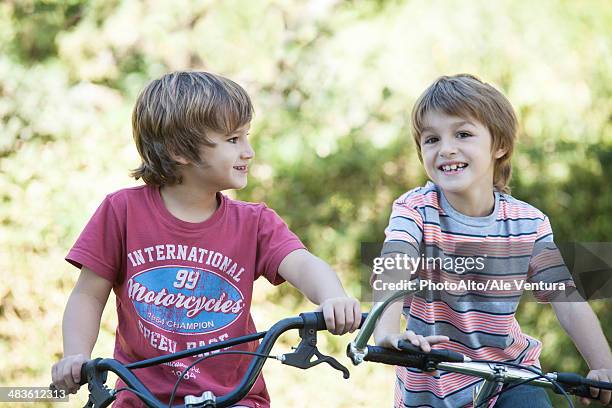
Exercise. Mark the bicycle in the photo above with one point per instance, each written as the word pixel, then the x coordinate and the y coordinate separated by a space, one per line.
pixel 495 374
pixel 94 372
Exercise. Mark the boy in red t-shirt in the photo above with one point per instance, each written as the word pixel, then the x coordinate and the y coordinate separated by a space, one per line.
pixel 180 256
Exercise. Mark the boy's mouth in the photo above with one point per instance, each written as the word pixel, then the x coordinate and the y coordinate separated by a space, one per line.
pixel 452 168
pixel 241 168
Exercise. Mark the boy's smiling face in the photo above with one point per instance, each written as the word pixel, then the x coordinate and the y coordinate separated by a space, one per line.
pixel 225 165
pixel 457 153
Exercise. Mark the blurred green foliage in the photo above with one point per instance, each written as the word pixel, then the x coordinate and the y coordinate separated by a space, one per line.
pixel 333 83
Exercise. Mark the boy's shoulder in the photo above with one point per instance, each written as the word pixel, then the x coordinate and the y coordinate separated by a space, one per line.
pixel 124 195
pixel 258 212
pixel 512 207
pixel 254 214
pixel 419 197
pixel 246 207
pixel 127 192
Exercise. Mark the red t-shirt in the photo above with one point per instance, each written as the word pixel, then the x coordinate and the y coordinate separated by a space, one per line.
pixel 180 285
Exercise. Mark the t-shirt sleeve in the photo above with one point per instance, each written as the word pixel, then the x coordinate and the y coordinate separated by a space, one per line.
pixel 99 247
pixel 546 265
pixel 404 232
pixel 274 242
pixel 403 235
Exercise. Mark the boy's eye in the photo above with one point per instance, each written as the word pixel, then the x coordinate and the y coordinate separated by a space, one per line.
pixel 233 140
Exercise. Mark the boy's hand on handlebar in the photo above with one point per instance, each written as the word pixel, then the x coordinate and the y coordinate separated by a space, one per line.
pixel 603 396
pixel 342 314
pixel 66 373
pixel 392 340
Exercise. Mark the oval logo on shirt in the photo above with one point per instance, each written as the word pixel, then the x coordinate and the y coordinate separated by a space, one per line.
pixel 185 300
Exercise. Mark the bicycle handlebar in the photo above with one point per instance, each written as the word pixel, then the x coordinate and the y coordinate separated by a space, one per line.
pixel 579 385
pixel 412 356
pixel 359 351
pixel 94 371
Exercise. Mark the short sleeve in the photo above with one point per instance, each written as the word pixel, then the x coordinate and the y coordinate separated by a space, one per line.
pixel 547 270
pixel 404 232
pixel 403 235
pixel 274 242
pixel 100 245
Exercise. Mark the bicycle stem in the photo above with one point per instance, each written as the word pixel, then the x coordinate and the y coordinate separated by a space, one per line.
pixel 358 347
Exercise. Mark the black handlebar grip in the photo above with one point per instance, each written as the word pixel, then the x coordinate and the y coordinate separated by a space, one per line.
pixel 581 391
pixel 570 378
pixel 597 384
pixel 575 379
pixel 585 391
pixel 364 316
pixel 395 357
pixel 83 380
pixel 321 320
pixel 438 355
pixel 580 386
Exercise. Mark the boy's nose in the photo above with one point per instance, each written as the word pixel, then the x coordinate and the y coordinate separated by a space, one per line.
pixel 248 152
pixel 447 149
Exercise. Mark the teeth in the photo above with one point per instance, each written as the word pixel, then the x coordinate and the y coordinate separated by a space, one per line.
pixel 453 167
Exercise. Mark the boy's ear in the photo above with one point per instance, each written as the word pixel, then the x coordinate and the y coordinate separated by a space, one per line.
pixel 179 159
pixel 499 153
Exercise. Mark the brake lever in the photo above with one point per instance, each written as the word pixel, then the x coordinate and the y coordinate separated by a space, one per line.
pixel 303 354
pixel 99 395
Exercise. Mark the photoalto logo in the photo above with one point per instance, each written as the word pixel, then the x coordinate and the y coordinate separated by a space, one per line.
pixel 489 270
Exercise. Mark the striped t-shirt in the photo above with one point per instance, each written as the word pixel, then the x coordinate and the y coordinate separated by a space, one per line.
pixel 511 246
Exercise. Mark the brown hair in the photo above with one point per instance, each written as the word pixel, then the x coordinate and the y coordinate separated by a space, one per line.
pixel 173 114
pixel 466 95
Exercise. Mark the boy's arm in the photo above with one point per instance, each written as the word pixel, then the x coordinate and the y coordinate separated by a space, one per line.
pixel 388 334
pixel 387 331
pixel 80 327
pixel 320 284
pixel 582 325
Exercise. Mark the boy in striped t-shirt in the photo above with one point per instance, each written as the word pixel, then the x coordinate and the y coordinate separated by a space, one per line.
pixel 465 131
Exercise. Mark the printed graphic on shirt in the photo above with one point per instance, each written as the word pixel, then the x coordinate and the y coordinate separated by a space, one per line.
pixel 203 256
pixel 185 300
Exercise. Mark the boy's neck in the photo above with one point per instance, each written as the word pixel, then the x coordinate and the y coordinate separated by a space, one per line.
pixel 188 204
pixel 473 203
